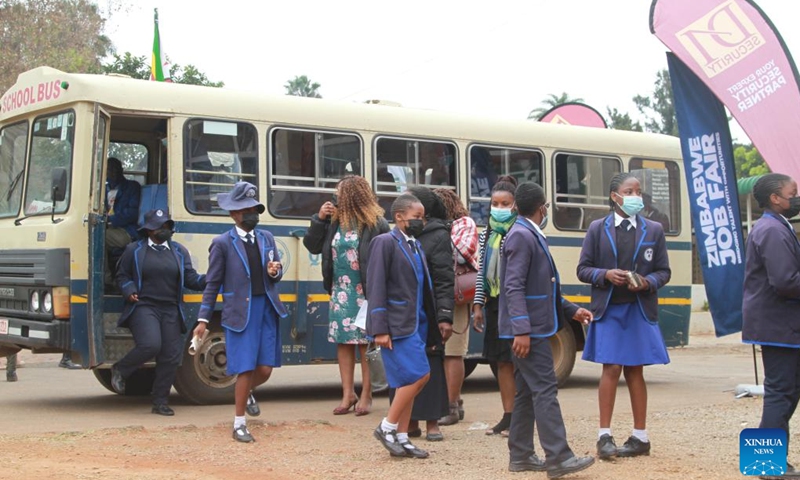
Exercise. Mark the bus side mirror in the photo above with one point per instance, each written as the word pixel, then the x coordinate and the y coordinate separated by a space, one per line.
pixel 59 184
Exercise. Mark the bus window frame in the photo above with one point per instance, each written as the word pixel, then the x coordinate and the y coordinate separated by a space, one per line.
pixel 292 188
pixel 381 136
pixel 134 173
pixel 71 173
pixel 24 171
pixel 678 194
pixel 185 183
pixel 555 204
pixel 542 169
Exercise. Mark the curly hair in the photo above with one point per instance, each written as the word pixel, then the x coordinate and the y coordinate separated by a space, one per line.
pixel 357 206
pixel 455 209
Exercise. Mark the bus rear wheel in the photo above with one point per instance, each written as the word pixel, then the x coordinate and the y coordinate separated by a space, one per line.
pixel 564 351
pixel 201 378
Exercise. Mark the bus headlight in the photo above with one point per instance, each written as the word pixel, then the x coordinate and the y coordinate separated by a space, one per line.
pixel 35 301
pixel 47 303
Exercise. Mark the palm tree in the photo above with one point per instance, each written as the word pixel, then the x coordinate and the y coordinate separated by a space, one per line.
pixel 302 87
pixel 550 102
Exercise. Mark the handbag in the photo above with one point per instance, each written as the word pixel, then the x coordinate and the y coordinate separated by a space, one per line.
pixel 377 374
pixel 465 277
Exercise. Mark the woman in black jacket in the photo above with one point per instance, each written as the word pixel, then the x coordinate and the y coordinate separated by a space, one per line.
pixel 341 232
pixel 432 403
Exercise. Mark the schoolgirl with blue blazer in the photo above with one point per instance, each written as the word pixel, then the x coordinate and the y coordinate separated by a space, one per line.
pixel 401 310
pixel 624 258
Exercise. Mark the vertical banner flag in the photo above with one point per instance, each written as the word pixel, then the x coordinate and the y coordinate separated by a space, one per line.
pixel 574 113
pixel 158 72
pixel 736 51
pixel 714 200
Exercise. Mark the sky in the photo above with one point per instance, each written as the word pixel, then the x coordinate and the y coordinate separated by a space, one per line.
pixel 496 59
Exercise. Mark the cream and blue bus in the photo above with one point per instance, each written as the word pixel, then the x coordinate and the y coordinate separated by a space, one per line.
pixel 186 144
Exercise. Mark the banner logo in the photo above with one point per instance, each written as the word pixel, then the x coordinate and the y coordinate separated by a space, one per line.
pixel 762 452
pixel 721 38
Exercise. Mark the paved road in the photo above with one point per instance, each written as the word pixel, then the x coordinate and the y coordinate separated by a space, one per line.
pixel 51 399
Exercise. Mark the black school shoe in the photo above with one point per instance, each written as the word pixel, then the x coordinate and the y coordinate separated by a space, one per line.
pixel 242 434
pixel 531 464
pixel 117 381
pixel 163 409
pixel 252 406
pixel 411 451
pixel 633 447
pixel 606 448
pixel 568 466
pixel 394 448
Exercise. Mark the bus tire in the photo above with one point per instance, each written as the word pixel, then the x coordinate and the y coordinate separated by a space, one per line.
pixel 138 384
pixel 201 378
pixel 469 366
pixel 564 351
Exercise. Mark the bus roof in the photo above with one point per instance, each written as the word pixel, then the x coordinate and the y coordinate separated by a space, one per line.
pixel 45 87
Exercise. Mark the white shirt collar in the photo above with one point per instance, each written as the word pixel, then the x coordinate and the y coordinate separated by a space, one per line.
pixel 536 227
pixel 406 236
pixel 619 218
pixel 150 243
pixel 242 234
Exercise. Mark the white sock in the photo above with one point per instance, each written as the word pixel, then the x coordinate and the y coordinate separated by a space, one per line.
pixel 641 435
pixel 388 427
pixel 603 431
pixel 402 437
pixel 239 421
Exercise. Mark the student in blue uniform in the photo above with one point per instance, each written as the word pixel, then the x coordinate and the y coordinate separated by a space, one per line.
pixel 771 303
pixel 245 267
pixel 401 310
pixel 625 335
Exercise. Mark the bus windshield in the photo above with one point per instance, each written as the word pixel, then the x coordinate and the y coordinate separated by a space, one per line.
pixel 51 148
pixel 13 143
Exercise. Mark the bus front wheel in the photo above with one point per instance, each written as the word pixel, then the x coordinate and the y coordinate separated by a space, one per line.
pixel 201 378
pixel 564 351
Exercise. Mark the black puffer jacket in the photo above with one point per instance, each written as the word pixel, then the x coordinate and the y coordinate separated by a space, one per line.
pixel 438 248
pixel 318 240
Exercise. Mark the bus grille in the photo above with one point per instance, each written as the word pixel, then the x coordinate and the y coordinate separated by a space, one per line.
pixel 48 267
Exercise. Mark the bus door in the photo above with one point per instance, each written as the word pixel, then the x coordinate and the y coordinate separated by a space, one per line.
pixel 96 230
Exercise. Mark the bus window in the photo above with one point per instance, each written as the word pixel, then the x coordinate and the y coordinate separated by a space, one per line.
pixel 51 148
pixel 13 145
pixel 486 163
pixel 582 183
pixel 405 163
pixel 306 165
pixel 660 191
pixel 217 154
pixel 134 158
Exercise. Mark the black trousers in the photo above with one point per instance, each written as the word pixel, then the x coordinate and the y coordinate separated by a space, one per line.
pixel 781 386
pixel 156 330
pixel 536 402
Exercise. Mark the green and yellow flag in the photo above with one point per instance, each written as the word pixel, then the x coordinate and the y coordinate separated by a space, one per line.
pixel 158 70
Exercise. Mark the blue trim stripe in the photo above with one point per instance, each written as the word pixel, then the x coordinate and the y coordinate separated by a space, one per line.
pixel 535 297
pixel 770 344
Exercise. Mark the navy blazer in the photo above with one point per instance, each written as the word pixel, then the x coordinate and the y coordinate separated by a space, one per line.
pixel 599 255
pixel 229 274
pixel 771 301
pixel 393 301
pixel 129 276
pixel 530 300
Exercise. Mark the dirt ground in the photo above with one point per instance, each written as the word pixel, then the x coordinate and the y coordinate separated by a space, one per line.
pixel 700 442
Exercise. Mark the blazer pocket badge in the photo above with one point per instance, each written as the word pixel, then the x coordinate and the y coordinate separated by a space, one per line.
pixel 648 254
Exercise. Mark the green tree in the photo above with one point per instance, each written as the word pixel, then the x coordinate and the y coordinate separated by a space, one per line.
pixel 63 34
pixel 748 161
pixel 301 86
pixel 548 103
pixel 139 68
pixel 622 121
pixel 659 109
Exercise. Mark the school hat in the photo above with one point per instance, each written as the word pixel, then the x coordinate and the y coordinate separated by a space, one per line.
pixel 155 219
pixel 244 195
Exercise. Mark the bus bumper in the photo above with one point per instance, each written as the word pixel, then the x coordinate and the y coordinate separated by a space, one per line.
pixel 38 336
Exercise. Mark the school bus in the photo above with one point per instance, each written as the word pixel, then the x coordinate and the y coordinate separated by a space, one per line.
pixel 186 144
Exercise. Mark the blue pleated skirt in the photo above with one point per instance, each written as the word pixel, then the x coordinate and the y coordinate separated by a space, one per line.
pixel 406 362
pixel 624 337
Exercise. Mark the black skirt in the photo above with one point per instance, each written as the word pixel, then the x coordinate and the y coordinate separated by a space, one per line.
pixel 495 349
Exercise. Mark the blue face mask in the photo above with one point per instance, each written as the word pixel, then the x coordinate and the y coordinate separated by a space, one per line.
pixel 631 204
pixel 501 215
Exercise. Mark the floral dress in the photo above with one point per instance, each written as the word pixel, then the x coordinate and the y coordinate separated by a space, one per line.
pixel 347 293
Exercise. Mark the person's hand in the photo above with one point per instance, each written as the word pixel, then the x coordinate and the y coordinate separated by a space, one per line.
pixel 273 268
pixel 200 329
pixel 133 297
pixel 617 277
pixel 383 341
pixel 521 346
pixel 326 210
pixel 446 329
pixel 645 285
pixel 584 316
pixel 477 318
